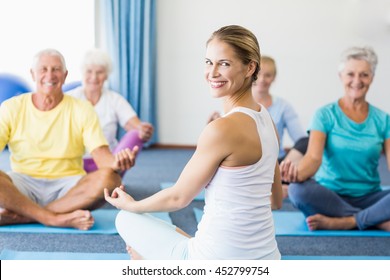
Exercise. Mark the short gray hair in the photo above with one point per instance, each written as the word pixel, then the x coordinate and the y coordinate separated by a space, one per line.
pixel 97 57
pixel 359 53
pixel 51 52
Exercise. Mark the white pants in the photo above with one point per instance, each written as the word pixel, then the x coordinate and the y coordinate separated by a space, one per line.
pixel 152 238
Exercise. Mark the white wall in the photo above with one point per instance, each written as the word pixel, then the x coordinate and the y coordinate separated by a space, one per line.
pixel 27 27
pixel 305 37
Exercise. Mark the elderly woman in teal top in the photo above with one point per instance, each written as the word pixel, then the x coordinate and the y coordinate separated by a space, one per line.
pixel 347 138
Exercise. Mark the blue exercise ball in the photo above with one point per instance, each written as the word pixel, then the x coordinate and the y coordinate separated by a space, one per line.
pixel 12 85
pixel 69 86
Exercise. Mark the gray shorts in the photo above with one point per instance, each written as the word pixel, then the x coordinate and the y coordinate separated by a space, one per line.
pixel 43 191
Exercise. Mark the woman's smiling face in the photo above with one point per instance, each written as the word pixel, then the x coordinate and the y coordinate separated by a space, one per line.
pixel 356 77
pixel 224 71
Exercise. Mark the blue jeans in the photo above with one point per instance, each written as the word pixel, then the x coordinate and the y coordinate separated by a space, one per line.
pixel 312 198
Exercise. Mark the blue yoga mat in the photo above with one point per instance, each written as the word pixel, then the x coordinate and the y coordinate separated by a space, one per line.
pixel 27 255
pixel 104 224
pixel 198 214
pixel 166 185
pixel 292 223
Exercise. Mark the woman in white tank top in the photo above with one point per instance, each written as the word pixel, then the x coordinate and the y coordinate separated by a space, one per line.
pixel 235 160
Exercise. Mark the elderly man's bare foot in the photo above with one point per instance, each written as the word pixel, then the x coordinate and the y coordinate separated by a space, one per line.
pixel 133 253
pixel 9 218
pixel 318 221
pixel 79 219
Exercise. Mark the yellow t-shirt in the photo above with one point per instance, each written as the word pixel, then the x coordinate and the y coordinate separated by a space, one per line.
pixel 49 144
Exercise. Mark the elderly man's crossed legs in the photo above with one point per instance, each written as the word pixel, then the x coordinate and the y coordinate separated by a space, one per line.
pixel 71 210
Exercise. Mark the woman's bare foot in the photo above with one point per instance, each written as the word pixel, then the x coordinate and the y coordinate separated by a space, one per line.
pixel 384 226
pixel 79 219
pixel 133 254
pixel 318 221
pixel 182 232
pixel 9 218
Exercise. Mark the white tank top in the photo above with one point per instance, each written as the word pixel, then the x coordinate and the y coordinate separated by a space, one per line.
pixel 237 221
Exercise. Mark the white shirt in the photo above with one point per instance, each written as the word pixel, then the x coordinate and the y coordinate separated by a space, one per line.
pixel 237 221
pixel 112 108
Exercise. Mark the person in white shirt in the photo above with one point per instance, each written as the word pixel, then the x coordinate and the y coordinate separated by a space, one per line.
pixel 282 113
pixel 236 162
pixel 111 107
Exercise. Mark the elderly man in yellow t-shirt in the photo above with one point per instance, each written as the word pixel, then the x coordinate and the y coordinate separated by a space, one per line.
pixel 47 133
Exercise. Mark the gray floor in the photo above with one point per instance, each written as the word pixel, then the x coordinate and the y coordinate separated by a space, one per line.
pixel 164 165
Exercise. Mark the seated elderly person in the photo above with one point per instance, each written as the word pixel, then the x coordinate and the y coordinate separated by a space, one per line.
pixel 47 133
pixel 346 140
pixel 111 107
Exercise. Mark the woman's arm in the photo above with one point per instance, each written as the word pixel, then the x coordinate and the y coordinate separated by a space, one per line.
pixel 213 147
pixel 387 152
pixel 145 129
pixel 309 164
pixel 312 160
pixel 276 190
pixel 132 123
pixel 277 193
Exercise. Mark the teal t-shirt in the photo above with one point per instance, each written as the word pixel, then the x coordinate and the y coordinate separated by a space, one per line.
pixel 352 150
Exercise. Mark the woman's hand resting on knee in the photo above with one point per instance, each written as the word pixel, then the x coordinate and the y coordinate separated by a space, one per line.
pixel 119 198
